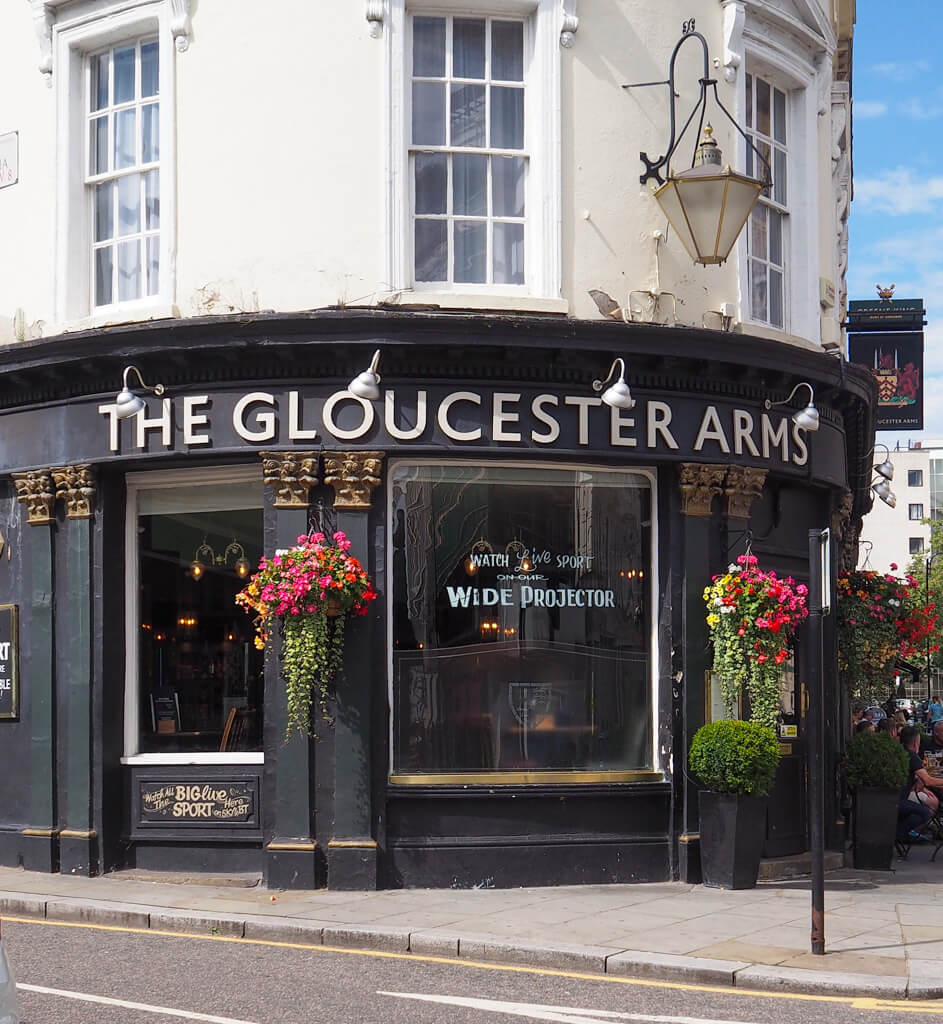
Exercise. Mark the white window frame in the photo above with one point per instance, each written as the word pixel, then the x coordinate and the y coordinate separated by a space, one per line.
pixel 542 127
pixel 796 77
pixel 91 30
pixel 649 474
pixel 911 506
pixel 165 479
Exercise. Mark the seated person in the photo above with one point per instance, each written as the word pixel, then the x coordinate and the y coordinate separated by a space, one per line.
pixel 933 744
pixel 913 815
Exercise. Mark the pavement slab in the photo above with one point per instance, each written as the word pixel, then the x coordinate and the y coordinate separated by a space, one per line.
pixel 882 931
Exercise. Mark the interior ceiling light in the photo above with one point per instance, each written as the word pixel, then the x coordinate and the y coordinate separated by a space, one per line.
pixel 129 403
pixel 807 418
pixel 617 395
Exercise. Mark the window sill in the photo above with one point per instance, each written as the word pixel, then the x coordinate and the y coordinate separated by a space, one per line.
pixel 214 757
pixel 478 301
pixel 117 315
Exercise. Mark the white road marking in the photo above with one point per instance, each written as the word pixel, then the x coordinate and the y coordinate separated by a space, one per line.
pixel 560 1014
pixel 144 1007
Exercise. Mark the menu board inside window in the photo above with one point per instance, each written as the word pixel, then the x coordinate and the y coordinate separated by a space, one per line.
pixel 521 619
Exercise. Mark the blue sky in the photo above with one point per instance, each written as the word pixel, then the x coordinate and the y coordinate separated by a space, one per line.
pixel 896 224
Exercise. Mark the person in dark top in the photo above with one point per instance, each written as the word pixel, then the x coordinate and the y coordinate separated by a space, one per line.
pixel 912 815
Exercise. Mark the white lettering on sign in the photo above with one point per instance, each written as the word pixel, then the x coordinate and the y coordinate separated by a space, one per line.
pixel 296 432
pixel 390 419
pixel 264 420
pixel 530 597
pixel 537 408
pixel 445 407
pixel 191 419
pixel 9 159
pixel 328 416
pixel 262 416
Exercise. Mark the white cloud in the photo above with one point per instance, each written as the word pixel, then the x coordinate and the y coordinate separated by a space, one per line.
pixel 901 72
pixel 917 109
pixel 897 192
pixel 869 108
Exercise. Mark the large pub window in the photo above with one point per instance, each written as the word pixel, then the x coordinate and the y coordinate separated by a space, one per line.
pixel 194 666
pixel 521 621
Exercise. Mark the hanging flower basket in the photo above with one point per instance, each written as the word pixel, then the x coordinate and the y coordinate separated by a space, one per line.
pixel 881 617
pixel 753 617
pixel 308 591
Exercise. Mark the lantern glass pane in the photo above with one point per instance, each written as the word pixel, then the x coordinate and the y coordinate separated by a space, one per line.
pixel 703 203
pixel 667 198
pixel 739 201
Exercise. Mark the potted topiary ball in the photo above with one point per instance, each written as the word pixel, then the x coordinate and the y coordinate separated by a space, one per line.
pixel 736 762
pixel 876 768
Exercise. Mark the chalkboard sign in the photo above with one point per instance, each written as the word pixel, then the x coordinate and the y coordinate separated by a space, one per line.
pixel 9 658
pixel 214 801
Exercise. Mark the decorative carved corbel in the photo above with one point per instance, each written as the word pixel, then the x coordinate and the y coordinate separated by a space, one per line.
pixel 291 475
pixel 375 17
pixel 76 486
pixel 44 18
pixel 699 485
pixel 742 486
pixel 353 475
pixel 569 24
pixel 35 489
pixel 180 24
pixel 734 16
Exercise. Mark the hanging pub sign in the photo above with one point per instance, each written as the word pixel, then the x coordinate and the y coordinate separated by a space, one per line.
pixel 885 336
pixel 896 361
pixel 9 658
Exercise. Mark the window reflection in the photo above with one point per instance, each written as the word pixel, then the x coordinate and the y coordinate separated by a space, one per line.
pixel 521 620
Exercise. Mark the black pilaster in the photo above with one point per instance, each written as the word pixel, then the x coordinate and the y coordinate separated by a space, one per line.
pixel 700 484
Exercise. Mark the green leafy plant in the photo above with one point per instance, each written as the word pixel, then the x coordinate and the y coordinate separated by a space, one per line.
pixel 881 617
pixel 876 759
pixel 308 591
pixel 752 615
pixel 730 756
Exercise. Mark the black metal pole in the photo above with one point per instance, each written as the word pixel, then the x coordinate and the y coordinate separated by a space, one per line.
pixel 816 754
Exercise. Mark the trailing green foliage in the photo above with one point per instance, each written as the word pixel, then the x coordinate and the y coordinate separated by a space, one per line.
pixel 731 756
pixel 876 759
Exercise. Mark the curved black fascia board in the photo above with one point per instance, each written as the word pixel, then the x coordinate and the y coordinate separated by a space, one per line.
pixel 335 344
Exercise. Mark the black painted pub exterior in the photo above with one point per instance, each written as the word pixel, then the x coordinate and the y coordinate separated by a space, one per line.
pixel 517 706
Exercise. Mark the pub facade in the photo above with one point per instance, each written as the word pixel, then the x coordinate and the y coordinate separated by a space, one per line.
pixel 516 707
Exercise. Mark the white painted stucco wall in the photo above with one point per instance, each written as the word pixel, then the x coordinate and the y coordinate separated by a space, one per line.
pixel 280 128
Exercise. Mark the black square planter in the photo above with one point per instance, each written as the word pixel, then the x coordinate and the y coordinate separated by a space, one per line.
pixel 733 830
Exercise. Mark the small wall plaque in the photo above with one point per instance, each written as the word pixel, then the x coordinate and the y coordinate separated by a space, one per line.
pixel 9 663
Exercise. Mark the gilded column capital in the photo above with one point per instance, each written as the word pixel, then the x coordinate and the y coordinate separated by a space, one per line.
pixel 37 492
pixel 353 475
pixel 75 485
pixel 700 483
pixel 742 486
pixel 291 475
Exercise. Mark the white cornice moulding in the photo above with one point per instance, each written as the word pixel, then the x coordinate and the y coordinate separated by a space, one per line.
pixel 44 19
pixel 571 23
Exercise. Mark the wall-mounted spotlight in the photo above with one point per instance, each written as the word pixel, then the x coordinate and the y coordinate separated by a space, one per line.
pixel 883 490
pixel 886 468
pixel 367 384
pixel 129 404
pixel 617 394
pixel 807 418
